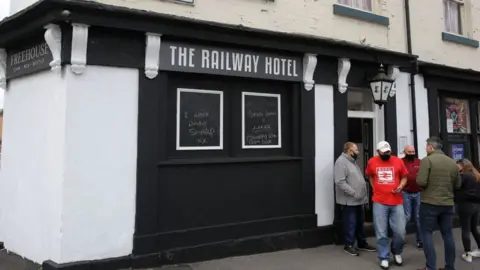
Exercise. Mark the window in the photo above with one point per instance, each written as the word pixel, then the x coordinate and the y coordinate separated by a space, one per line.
pixel 453 16
pixel 457 115
pixel 360 4
pixel 360 100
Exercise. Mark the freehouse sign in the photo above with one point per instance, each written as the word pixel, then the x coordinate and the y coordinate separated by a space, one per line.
pixel 28 60
pixel 186 57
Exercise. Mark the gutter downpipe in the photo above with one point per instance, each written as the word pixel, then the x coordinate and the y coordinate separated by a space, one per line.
pixel 412 77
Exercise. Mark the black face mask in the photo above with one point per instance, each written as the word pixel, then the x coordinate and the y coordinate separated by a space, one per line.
pixel 354 156
pixel 385 157
pixel 410 157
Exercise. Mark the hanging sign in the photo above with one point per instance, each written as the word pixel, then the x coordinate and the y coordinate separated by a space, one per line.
pixel 194 58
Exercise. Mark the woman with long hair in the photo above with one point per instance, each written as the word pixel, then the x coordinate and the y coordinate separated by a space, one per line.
pixel 467 205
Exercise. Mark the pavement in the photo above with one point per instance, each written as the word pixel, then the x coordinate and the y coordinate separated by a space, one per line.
pixel 330 257
pixel 325 257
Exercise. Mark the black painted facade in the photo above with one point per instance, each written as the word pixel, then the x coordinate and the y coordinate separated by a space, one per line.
pixel 444 83
pixel 205 204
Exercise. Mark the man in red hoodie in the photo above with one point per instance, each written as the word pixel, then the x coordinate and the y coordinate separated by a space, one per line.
pixel 411 192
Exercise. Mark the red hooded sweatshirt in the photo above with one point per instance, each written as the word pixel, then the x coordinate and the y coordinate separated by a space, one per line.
pixel 412 167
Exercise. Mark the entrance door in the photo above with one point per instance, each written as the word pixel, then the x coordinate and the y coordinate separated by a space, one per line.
pixel 360 131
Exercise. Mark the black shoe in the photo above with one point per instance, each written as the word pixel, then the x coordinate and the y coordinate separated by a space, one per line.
pixel 420 245
pixel 351 250
pixel 368 248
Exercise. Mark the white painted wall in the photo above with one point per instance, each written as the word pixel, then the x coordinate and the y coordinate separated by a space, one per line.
pixel 404 111
pixel 428 23
pixel 31 175
pixel 309 17
pixel 98 217
pixel 68 177
pixel 423 126
pixel 324 154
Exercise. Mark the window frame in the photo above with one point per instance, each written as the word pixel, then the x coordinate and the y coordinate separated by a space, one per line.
pixel 461 17
pixel 350 3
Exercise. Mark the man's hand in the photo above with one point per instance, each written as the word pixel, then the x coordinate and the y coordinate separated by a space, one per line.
pixel 398 189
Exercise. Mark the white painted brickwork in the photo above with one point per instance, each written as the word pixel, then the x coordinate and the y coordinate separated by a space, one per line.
pixel 311 17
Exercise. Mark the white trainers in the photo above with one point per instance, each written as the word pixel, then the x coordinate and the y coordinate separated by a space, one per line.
pixel 467 257
pixel 475 253
pixel 398 259
pixel 384 264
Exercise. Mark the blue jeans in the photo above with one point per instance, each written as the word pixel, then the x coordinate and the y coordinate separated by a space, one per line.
pixel 353 220
pixel 411 204
pixel 383 215
pixel 431 217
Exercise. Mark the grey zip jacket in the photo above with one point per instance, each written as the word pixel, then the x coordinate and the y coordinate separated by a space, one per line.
pixel 350 184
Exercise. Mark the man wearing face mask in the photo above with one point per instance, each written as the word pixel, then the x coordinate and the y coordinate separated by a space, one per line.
pixel 388 176
pixel 351 195
pixel 411 192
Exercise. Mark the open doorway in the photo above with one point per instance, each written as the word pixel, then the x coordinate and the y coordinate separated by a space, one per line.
pixel 360 131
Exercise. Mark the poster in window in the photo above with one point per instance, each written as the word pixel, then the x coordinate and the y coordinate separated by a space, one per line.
pixel 458 151
pixel 457 114
pixel 199 119
pixel 261 120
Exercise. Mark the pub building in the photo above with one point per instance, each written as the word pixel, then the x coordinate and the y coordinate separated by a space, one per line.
pixel 133 139
pixel 453 109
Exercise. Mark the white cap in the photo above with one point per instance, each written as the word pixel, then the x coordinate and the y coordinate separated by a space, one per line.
pixel 383 147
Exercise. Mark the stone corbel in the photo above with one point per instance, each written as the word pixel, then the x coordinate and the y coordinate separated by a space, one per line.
pixel 3 69
pixel 309 65
pixel 393 72
pixel 343 69
pixel 53 37
pixel 79 48
pixel 152 54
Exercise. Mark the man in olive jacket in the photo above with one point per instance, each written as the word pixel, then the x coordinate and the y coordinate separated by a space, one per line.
pixel 439 177
pixel 351 195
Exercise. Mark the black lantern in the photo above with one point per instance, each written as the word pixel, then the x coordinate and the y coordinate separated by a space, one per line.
pixel 381 85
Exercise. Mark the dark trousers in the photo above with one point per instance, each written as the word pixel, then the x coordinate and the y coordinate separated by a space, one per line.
pixel 353 219
pixel 468 215
pixel 431 217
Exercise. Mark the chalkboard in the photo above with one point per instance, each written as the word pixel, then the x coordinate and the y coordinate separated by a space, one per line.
pixel 261 117
pixel 199 119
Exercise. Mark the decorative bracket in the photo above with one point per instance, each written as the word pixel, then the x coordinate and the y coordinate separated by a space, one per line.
pixel 343 69
pixel 152 54
pixel 3 69
pixel 79 48
pixel 393 72
pixel 53 37
pixel 309 65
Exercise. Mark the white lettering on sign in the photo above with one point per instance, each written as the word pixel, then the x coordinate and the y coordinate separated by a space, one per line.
pixel 29 54
pixel 281 66
pixel 214 59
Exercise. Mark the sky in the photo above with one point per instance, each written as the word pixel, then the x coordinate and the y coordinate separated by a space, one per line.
pixel 4 10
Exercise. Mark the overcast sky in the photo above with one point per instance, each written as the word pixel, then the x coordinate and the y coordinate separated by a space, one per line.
pixel 4 8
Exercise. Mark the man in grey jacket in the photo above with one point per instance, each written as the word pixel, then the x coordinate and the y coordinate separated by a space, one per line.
pixel 351 194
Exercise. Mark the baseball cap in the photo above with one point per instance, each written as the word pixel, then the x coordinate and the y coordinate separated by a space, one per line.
pixel 383 147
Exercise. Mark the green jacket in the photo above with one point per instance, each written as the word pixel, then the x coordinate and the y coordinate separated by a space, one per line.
pixel 439 177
